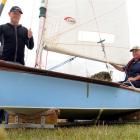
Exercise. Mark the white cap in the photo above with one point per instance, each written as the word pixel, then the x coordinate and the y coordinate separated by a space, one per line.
pixel 135 48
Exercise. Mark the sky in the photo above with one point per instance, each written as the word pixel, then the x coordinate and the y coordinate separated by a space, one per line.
pixel 134 21
pixel 30 19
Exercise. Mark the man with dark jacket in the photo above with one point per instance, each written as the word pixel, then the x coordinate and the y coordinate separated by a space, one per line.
pixel 14 37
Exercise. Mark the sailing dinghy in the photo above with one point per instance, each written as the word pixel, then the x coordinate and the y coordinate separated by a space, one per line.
pixel 91 29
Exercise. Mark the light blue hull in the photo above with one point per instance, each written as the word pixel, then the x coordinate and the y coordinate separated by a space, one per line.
pixel 27 92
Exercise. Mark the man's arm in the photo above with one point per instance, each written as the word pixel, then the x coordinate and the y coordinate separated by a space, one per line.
pixel 118 67
pixel 134 78
pixel 1 29
pixel 29 39
pixel 30 43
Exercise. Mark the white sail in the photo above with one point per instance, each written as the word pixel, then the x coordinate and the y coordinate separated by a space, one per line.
pixel 75 27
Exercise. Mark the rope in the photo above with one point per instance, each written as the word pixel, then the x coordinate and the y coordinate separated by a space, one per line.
pixel 31 22
pixel 99 115
pixel 39 48
pixel 46 60
pixel 87 70
pixel 63 63
pixel 128 82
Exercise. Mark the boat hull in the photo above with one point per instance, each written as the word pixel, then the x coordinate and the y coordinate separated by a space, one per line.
pixel 26 92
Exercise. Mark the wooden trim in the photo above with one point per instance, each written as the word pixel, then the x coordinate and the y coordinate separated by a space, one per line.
pixel 9 66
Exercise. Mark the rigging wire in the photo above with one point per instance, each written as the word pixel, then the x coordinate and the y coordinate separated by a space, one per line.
pixel 98 29
pixel 55 27
pixel 63 63
pixel 101 41
pixel 95 18
pixel 39 49
pixel 30 25
pixel 57 34
pixel 87 70
pixel 47 53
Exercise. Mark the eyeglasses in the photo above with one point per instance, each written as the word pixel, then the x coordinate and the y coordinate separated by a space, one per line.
pixel 135 51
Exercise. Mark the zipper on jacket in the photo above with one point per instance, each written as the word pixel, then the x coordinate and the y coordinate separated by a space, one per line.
pixel 2 45
pixel 15 57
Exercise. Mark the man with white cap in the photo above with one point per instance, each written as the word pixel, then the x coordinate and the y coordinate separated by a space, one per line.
pixel 132 69
pixel 14 37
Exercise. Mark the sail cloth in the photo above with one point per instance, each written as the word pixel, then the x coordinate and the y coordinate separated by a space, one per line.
pixel 92 29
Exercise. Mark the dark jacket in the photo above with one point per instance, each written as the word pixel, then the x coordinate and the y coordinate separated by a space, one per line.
pixel 14 39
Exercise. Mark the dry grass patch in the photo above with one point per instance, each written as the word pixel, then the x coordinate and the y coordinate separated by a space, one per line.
pixel 3 134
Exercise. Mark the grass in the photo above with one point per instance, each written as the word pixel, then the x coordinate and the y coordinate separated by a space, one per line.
pixel 3 134
pixel 114 132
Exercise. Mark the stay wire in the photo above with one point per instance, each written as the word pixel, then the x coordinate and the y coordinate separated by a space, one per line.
pixel 98 29
pixel 63 63
pixel 30 25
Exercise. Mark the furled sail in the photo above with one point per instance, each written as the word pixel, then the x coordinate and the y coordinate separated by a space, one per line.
pixel 92 29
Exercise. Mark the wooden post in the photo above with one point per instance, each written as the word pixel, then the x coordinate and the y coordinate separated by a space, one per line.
pixel 47 117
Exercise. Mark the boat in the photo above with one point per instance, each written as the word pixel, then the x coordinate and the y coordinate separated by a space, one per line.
pixel 66 27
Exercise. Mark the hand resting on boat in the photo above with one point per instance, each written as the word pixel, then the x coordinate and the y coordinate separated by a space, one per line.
pixel 131 69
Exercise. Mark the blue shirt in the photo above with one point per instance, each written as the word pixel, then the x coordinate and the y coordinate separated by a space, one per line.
pixel 133 70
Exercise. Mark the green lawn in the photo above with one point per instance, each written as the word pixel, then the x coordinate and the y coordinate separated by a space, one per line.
pixel 112 132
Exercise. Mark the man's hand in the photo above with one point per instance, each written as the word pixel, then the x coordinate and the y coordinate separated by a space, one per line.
pixel 134 78
pixel 30 33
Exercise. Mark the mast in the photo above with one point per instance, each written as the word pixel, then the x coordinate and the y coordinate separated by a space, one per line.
pixel 42 20
pixel 3 2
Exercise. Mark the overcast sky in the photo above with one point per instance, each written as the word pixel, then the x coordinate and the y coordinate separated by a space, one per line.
pixel 134 21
